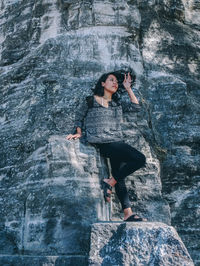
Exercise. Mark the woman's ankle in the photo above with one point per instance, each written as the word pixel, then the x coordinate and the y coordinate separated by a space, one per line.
pixel 111 181
pixel 127 212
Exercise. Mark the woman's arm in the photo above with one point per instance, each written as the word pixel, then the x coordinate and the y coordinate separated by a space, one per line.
pixel 133 105
pixel 132 96
pixel 127 85
pixel 79 118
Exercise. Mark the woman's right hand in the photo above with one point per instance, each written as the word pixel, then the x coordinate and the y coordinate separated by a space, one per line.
pixel 75 136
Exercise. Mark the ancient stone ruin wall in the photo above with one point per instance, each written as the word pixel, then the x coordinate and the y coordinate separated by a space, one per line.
pixel 52 53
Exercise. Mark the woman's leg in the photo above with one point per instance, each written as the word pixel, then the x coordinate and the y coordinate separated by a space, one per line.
pixel 120 152
pixel 124 161
pixel 121 190
pixel 120 186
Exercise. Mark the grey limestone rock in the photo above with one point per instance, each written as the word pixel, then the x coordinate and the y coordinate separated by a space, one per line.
pixel 51 55
pixel 43 260
pixel 49 209
pixel 137 244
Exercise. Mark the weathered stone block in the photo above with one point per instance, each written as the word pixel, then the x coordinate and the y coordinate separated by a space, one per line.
pixel 51 210
pixel 25 260
pixel 137 244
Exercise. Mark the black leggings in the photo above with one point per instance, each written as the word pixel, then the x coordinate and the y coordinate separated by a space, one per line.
pixel 124 160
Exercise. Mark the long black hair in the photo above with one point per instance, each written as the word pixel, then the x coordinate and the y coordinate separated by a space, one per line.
pixel 99 89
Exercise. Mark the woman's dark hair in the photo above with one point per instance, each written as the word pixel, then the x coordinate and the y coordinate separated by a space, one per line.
pixel 99 89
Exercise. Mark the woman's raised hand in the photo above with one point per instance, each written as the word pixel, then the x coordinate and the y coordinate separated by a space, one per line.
pixel 127 81
pixel 75 136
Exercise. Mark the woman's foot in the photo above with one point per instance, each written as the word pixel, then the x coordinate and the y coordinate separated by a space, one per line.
pixel 127 213
pixel 129 216
pixel 111 182
pixel 135 218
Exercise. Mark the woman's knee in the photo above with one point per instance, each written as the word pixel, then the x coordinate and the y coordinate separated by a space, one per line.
pixel 141 160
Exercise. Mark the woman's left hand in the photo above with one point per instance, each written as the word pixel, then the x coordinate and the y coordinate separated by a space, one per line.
pixel 127 81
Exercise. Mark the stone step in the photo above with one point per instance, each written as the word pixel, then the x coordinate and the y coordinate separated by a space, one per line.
pixel 141 243
pixel 25 260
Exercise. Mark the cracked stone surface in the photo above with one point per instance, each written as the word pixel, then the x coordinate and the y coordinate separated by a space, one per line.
pixel 51 55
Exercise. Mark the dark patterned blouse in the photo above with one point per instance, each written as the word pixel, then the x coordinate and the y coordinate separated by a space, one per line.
pixel 103 125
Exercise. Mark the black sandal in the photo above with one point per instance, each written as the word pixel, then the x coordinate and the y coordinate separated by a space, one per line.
pixel 105 187
pixel 135 218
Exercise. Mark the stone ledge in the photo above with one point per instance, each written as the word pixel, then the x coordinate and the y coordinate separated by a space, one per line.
pixel 24 260
pixel 137 244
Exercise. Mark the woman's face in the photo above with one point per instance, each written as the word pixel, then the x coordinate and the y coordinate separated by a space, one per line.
pixel 111 84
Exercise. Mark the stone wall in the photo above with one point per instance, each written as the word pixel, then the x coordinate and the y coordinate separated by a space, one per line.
pixel 52 53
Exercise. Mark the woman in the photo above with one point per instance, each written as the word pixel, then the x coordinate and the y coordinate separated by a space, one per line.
pixel 103 128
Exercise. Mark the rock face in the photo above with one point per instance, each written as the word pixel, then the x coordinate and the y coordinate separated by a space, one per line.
pixel 136 244
pixel 52 53
pixel 50 212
